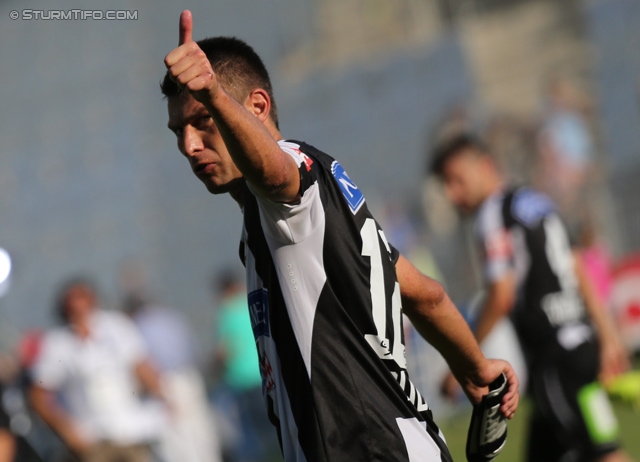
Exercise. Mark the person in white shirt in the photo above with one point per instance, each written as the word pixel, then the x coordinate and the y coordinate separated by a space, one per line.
pixel 191 434
pixel 87 382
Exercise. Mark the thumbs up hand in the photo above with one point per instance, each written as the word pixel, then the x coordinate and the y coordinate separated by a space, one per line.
pixel 188 65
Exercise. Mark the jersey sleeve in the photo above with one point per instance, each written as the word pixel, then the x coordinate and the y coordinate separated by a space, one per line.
pixel 395 254
pixel 292 223
pixel 495 241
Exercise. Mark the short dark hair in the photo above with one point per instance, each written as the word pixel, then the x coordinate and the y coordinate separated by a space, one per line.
pixel 237 66
pixel 60 301
pixel 225 280
pixel 451 147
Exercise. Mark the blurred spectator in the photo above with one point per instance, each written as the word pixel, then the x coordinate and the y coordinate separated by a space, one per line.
pixel 237 356
pixel 597 262
pixel 7 440
pixel 31 444
pixel 86 382
pixel 565 144
pixel 512 139
pixel 625 300
pixel 190 435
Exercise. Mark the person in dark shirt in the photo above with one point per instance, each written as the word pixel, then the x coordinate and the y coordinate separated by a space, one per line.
pixel 532 275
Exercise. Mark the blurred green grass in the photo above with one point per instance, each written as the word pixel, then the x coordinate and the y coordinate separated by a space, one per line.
pixel 455 431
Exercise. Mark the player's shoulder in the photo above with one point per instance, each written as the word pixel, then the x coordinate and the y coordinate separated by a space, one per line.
pixel 57 343
pixel 295 150
pixel 529 206
pixel 306 154
pixel 490 213
pixel 59 337
pixel 112 320
pixel 332 175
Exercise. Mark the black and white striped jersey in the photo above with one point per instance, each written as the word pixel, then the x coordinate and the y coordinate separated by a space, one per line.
pixel 519 230
pixel 326 313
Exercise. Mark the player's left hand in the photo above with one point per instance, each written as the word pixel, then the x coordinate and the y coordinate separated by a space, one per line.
pixel 475 387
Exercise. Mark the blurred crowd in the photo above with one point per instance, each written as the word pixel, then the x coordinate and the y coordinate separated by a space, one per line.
pixel 555 152
pixel 128 384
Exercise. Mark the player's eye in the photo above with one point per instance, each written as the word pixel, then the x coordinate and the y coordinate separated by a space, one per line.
pixel 203 121
pixel 178 132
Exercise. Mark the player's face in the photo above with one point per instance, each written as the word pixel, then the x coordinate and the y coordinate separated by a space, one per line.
pixel 464 175
pixel 201 143
pixel 79 301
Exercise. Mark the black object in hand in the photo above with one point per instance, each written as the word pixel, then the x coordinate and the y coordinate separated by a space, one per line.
pixel 488 427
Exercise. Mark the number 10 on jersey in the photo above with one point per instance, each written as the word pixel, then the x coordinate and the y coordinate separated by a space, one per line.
pixel 371 238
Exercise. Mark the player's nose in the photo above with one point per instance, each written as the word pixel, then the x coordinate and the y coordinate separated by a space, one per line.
pixel 192 141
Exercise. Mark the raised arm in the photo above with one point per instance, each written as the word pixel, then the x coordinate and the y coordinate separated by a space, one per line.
pixel 436 318
pixel 249 134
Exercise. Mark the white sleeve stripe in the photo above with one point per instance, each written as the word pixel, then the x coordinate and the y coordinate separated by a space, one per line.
pixel 293 150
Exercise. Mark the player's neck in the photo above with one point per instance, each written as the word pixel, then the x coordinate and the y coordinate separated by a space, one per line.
pixel 237 191
pixel 494 184
pixel 81 326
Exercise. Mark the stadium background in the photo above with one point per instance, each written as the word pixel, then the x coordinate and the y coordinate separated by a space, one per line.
pixel 91 181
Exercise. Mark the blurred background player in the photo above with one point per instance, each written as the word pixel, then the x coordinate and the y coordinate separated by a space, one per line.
pixel 531 275
pixel 86 381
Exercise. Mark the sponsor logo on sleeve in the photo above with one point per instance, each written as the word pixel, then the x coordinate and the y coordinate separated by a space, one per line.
pixel 498 245
pixel 350 191
pixel 266 371
pixel 530 206
pixel 259 312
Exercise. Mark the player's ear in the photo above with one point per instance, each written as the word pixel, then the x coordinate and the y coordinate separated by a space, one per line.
pixel 259 103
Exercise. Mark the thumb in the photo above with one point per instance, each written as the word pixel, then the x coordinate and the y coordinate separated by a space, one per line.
pixel 186 27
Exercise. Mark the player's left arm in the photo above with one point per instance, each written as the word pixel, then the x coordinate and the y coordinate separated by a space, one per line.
pixel 497 304
pixel 437 319
pixel 614 357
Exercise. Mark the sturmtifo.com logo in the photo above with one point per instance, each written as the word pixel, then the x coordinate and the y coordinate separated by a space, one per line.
pixel 74 15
